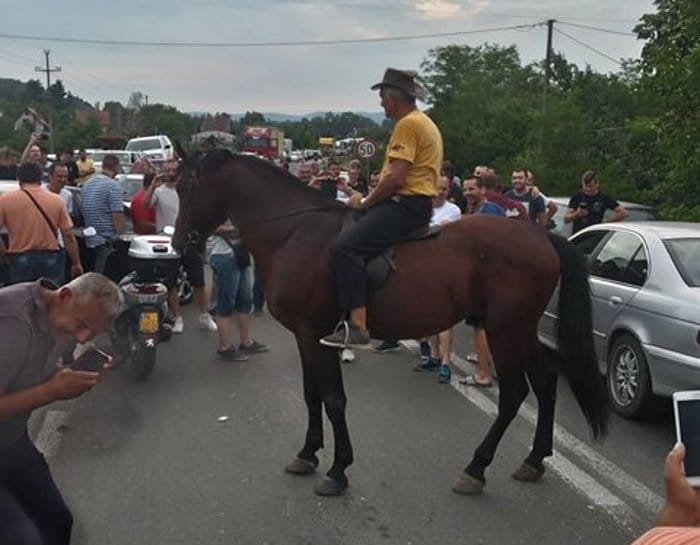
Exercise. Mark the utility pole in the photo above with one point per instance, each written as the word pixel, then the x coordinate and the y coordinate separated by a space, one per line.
pixel 548 54
pixel 48 70
pixel 547 78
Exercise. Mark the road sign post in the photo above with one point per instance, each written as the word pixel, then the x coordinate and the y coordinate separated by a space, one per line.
pixel 366 149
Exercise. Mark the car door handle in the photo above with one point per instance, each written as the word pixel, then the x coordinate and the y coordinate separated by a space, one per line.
pixel 615 300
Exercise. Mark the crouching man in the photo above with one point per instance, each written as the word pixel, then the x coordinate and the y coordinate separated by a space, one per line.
pixel 38 323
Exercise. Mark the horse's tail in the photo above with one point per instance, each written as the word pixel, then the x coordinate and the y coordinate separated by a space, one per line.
pixel 575 336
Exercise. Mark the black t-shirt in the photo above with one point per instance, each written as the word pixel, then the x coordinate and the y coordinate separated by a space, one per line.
pixel 72 167
pixel 595 204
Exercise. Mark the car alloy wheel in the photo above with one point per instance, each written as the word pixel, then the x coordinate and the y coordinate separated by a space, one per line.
pixel 629 385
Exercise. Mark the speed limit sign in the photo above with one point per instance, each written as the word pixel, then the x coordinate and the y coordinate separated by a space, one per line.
pixel 366 149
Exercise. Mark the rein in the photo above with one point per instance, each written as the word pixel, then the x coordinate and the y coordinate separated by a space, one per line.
pixel 298 211
pixel 195 237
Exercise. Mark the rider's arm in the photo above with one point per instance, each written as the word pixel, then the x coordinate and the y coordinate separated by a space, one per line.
pixel 389 183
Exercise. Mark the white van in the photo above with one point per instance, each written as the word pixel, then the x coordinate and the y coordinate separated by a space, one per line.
pixel 155 148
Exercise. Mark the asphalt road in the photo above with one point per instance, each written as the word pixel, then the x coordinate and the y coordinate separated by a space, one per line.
pixel 151 463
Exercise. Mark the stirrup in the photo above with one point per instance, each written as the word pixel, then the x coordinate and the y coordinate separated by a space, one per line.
pixel 345 326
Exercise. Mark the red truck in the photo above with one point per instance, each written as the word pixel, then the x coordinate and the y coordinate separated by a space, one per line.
pixel 267 142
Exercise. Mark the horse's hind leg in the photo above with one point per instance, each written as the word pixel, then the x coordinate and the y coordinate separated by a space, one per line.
pixel 513 390
pixel 543 379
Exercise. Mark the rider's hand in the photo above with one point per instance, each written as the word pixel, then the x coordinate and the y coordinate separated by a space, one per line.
pixel 355 201
pixel 67 383
pixel 34 138
pixel 581 212
pixel 682 500
pixel 76 270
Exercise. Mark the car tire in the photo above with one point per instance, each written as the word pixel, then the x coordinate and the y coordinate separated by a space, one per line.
pixel 628 380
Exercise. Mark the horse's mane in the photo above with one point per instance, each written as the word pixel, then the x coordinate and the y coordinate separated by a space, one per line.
pixel 277 179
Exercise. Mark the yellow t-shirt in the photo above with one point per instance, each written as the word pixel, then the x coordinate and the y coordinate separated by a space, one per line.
pixel 416 139
pixel 85 168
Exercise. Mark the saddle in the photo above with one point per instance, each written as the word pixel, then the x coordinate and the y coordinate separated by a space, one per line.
pixel 380 267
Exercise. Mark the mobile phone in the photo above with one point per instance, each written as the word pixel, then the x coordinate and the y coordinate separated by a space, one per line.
pixel 686 410
pixel 583 205
pixel 91 360
pixel 43 136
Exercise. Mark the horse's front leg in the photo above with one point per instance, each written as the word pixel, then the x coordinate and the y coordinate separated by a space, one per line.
pixel 322 367
pixel 306 461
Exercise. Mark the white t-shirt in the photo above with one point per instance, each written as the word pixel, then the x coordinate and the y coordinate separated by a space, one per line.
pixel 67 197
pixel 167 205
pixel 446 213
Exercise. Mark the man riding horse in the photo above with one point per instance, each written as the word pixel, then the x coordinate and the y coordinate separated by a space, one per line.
pixel 400 204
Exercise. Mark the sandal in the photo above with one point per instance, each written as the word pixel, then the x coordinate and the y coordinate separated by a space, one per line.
pixel 471 380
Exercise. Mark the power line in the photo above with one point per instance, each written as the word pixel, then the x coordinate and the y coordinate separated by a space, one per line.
pixel 598 29
pixel 616 61
pixel 266 44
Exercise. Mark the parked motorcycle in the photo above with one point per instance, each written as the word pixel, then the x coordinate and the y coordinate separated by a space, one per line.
pixel 141 266
pixel 142 326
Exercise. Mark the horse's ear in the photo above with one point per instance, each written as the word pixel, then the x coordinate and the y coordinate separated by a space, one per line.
pixel 181 153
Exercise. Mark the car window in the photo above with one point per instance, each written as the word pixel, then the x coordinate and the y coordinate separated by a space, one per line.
pixel 636 273
pixel 686 256
pixel 588 242
pixel 615 256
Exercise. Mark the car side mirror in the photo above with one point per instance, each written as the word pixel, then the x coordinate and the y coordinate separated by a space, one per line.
pixel 167 146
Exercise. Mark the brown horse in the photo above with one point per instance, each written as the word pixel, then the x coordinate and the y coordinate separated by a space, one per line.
pixel 499 270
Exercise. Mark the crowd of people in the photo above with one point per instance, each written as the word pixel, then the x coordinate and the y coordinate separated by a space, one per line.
pixel 50 291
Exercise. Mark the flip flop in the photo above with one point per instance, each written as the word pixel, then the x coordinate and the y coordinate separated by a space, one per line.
pixel 470 380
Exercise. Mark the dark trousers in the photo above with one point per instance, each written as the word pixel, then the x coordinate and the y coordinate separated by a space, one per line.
pixel 32 510
pixel 375 232
pixel 258 290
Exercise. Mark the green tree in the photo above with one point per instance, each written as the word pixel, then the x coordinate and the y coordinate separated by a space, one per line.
pixel 671 70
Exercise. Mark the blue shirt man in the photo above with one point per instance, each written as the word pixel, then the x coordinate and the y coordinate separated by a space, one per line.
pixel 103 206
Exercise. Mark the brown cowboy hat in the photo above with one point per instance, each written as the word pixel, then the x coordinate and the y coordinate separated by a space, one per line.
pixel 402 80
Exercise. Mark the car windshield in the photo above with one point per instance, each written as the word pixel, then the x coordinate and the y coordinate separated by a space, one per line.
pixel 686 256
pixel 143 145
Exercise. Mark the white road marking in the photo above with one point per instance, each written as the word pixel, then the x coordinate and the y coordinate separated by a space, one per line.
pixel 592 461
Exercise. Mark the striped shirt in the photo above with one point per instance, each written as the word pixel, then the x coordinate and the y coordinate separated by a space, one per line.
pixel 102 197
pixel 670 535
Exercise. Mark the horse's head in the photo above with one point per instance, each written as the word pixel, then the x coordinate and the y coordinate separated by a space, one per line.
pixel 201 211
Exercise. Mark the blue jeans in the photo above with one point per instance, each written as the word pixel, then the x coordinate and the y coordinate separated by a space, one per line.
pixel 234 291
pixel 32 510
pixel 32 265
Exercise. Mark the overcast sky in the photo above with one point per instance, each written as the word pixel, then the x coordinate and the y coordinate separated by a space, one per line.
pixel 289 79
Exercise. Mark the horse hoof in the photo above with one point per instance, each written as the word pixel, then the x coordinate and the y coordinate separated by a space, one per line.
pixel 528 473
pixel 468 485
pixel 330 487
pixel 301 467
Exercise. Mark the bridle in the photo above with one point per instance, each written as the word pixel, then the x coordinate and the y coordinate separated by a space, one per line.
pixel 195 237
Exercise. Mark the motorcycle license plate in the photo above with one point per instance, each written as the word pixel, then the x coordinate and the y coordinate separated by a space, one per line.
pixel 148 322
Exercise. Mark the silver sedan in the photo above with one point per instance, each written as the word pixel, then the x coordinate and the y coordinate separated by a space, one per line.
pixel 645 290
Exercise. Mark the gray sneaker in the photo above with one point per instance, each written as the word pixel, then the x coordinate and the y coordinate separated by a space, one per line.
pixel 347 336
pixel 253 348
pixel 232 354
